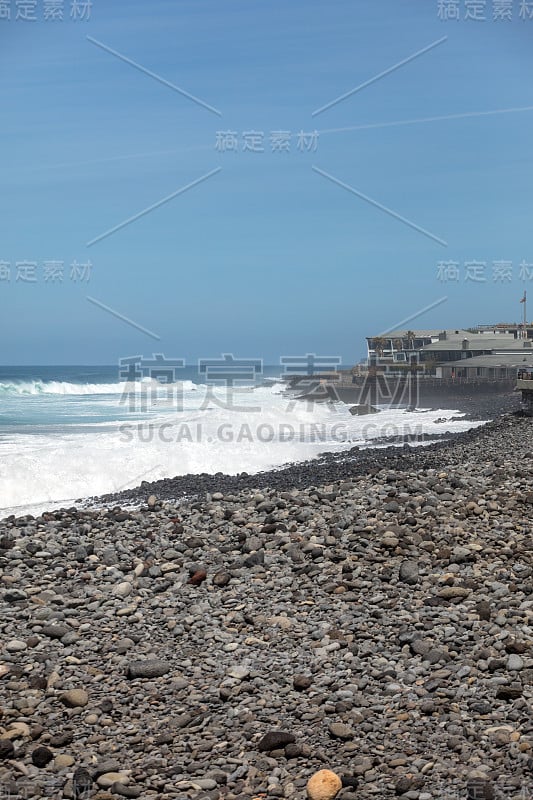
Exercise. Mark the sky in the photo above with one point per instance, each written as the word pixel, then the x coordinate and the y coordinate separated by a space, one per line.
pixel 329 170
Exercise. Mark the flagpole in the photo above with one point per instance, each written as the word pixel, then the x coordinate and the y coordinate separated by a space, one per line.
pixel 524 322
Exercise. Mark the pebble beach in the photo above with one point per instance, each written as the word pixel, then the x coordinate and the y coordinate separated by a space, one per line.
pixel 371 615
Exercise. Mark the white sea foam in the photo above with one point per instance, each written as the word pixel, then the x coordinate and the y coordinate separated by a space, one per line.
pixel 65 388
pixel 55 467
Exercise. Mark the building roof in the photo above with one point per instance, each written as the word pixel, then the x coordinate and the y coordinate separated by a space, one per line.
pixel 402 334
pixel 515 344
pixel 507 361
pixel 496 325
pixel 451 334
pixel 476 341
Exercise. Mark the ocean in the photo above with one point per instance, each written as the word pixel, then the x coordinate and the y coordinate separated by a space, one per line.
pixel 74 432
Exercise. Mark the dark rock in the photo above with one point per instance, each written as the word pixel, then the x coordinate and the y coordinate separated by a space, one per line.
pixel 483 610
pixel 37 682
pixel 482 707
pixel 81 784
pixel 408 783
pixel 269 528
pixel 197 577
pixel 55 631
pixel 36 731
pixel 509 692
pixel 61 739
pixel 109 765
pixel 150 668
pixel 349 782
pixel 70 638
pixel 479 789
pixel 435 656
pixel 184 720
pixel 125 790
pixel 109 557
pixel 461 555
pixel 420 647
pixel 516 646
pixel 10 789
pixel 409 572
pixel 14 596
pixel 164 738
pixel 41 756
pixel 275 740
pixel 194 542
pixel 222 578
pixel 362 409
pixel 301 682
pixel 298 751
pixel 255 558
pixel 7 750
pixel 80 553
pixel 6 542
pixel 392 507
pixel 218 775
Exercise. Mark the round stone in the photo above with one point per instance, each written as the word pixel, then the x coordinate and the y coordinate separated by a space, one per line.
pixel 41 756
pixel 338 730
pixel 323 785
pixel 123 589
pixel 515 663
pixel 63 761
pixel 16 646
pixel 389 541
pixel 107 780
pixel 7 749
pixel 18 730
pixel 409 572
pixel 75 698
pixel 302 682
pixel 238 672
pixel 222 578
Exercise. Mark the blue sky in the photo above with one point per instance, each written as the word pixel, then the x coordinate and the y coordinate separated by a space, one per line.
pixel 266 257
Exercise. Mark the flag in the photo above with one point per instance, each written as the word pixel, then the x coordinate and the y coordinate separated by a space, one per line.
pixel 523 300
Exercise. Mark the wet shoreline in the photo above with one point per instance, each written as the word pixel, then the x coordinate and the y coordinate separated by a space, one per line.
pixel 393 452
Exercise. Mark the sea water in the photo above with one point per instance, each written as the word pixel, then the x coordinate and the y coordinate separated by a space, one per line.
pixel 75 432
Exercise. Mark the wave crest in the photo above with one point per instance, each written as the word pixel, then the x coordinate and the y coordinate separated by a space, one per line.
pixel 65 388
